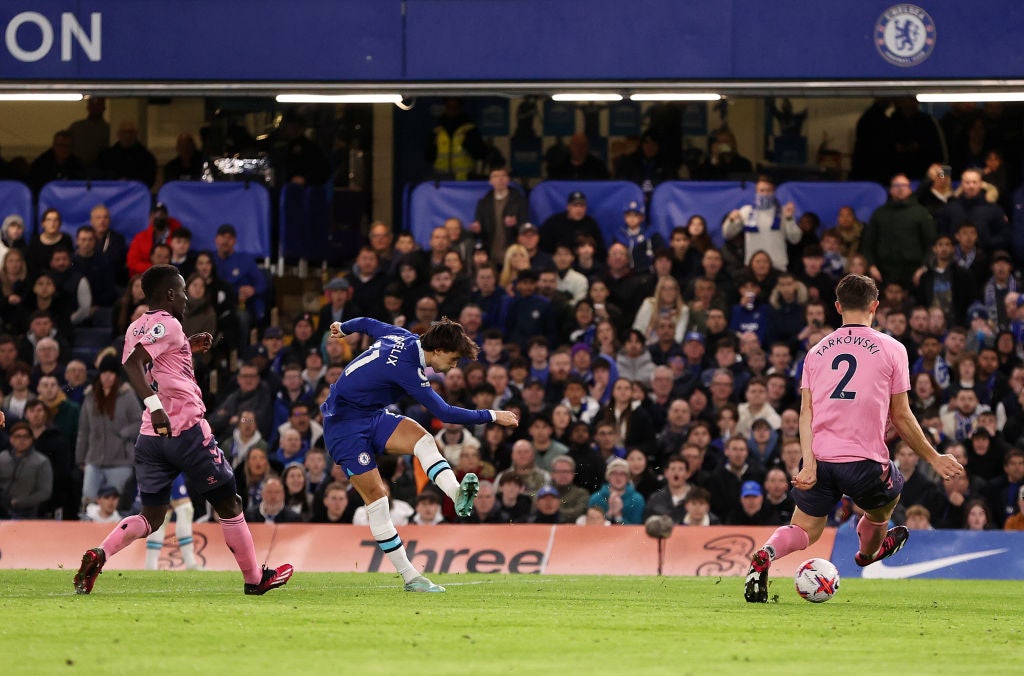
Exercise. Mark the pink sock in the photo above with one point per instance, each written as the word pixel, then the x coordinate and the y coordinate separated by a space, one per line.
pixel 871 535
pixel 128 531
pixel 239 541
pixel 786 540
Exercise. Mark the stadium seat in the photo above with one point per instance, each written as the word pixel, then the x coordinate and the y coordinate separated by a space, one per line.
pixel 17 199
pixel 674 202
pixel 431 203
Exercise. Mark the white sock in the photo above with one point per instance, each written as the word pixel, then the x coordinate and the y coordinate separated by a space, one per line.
pixel 379 515
pixel 155 543
pixel 436 467
pixel 183 531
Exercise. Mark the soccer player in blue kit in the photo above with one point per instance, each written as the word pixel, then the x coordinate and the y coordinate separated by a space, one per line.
pixel 357 427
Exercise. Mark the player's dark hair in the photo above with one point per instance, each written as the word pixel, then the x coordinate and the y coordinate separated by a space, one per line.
pixel 157 280
pixel 856 292
pixel 448 336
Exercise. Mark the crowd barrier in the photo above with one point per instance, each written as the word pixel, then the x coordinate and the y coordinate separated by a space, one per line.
pixel 554 550
pixel 16 198
pixel 129 203
pixel 672 203
pixel 203 207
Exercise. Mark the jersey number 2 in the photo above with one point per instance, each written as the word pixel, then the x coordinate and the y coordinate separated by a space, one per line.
pixel 851 368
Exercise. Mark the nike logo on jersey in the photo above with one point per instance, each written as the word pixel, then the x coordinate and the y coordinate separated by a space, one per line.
pixel 881 571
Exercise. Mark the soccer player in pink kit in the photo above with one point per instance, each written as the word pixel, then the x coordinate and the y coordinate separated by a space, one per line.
pixel 175 436
pixel 853 381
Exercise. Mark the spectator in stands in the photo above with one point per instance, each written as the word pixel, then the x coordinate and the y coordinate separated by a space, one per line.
pixel 937 189
pixel 110 243
pixel 529 237
pixel 646 166
pixel 498 214
pixel 251 395
pixel 255 471
pixel 767 225
pixel 670 500
pixel 107 428
pixel 337 309
pixel 949 507
pixel 182 256
pixel 46 298
pixel 18 377
pixel 240 270
pixel 752 510
pixel 90 136
pixel 580 164
pixel 573 498
pixel 14 289
pixel 628 288
pixel 187 165
pixel 26 476
pixel 368 283
pixel 62 412
pixel 335 502
pixel 58 163
pixel 634 361
pixel 568 226
pixel 159 230
pixel 524 466
pixel 94 267
pixel 449 303
pixel 756 407
pixel 643 478
pixel 126 306
pixel 621 502
pixel 127 159
pixel 1003 492
pixel 104 508
pixel 244 437
pixel 1016 522
pixel 48 351
pixel 428 509
pixel 67 480
pixel 513 506
pixel 971 206
pixel 944 284
pixel 725 482
pixel 76 377
pixel 72 285
pixel 272 508
pixel 455 144
pixel 898 236
pixel 528 314
pixel 545 447
pixel 724 161
pixel 547 507
pixel 632 422
pixel 641 242
pixel 777 502
pixel 12 234
pixel 41 246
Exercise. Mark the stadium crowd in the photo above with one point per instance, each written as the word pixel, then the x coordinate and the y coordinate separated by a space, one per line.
pixel 651 376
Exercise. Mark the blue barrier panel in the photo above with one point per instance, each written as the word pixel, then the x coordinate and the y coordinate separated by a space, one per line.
pixel 674 202
pixel 606 202
pixel 319 199
pixel 203 207
pixel 16 198
pixel 129 203
pixel 945 554
pixel 294 231
pixel 825 199
pixel 431 203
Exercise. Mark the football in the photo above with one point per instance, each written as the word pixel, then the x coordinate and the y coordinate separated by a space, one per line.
pixel 817 580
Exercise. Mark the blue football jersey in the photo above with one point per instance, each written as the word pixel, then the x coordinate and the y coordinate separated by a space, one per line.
pixel 393 366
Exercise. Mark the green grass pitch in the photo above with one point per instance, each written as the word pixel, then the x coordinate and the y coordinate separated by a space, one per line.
pixel 155 623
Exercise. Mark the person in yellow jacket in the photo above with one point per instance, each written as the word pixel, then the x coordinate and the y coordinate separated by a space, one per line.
pixel 456 144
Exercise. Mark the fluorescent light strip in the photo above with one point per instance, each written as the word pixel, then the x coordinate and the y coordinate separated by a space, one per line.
pixel 586 96
pixel 970 97
pixel 40 97
pixel 675 96
pixel 339 98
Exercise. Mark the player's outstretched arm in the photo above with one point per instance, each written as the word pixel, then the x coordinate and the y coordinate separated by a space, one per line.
pixel 135 368
pixel 365 325
pixel 910 430
pixel 422 392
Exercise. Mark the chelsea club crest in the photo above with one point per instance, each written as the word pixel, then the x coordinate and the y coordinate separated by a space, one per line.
pixel 363 458
pixel 905 35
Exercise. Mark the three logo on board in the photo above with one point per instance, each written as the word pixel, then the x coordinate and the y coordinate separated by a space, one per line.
pixel 905 35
